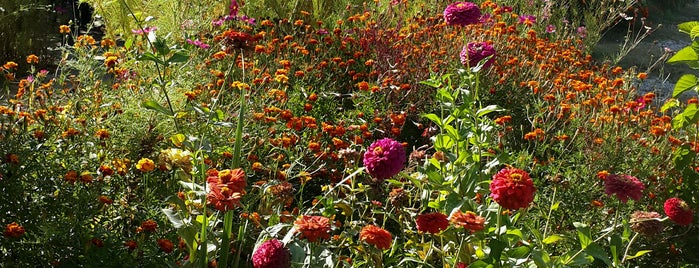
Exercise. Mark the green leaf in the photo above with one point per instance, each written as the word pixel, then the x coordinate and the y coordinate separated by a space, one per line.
pixel 489 109
pixel 443 142
pixel 687 117
pixel 554 206
pixel 519 252
pixel 688 27
pixel 598 252
pixel 153 105
pixel 583 234
pixel 687 56
pixel 686 82
pixel 179 56
pixel 150 57
pixel 434 118
pixel 615 248
pixel 638 254
pixel 694 32
pixel 671 103
pixel 173 217
pixel 177 139
pixel 552 239
pixel 541 258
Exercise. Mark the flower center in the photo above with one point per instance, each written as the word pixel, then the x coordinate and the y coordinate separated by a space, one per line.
pixel 516 177
pixel 460 5
pixel 378 150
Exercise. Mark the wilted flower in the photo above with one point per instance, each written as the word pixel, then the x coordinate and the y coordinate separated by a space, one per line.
pixel 475 52
pixel 678 211
pixel 469 220
pixel 432 222
pixel 13 230
pixel 384 158
pixel 374 235
pixel 176 158
pixel 512 188
pixel 646 223
pixel 313 228
pixel 624 187
pixel 462 14
pixel 271 254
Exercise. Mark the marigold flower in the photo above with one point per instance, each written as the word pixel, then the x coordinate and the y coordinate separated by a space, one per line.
pixel 432 222
pixel 462 14
pixel 149 225
pixel 166 245
pixel 469 220
pixel 271 254
pixel 512 188
pixel 130 245
pixel 64 29
pixel 13 230
pixel 71 176
pixel 646 223
pixel 145 165
pixel 624 187
pixel 475 52
pixel 377 236
pixel 678 211
pixel 384 158
pixel 32 59
pixel 313 228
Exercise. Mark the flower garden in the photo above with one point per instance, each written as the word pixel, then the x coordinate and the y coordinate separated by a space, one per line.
pixel 347 134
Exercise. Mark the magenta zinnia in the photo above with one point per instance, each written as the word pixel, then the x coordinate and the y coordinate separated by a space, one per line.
pixel 475 52
pixel 462 14
pixel 432 222
pixel 384 158
pixel 271 254
pixel 624 187
pixel 678 211
pixel 512 188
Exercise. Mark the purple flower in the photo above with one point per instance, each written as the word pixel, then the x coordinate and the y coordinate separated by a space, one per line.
pixel 475 52
pixel 528 20
pixel 462 14
pixel 550 28
pixel 582 31
pixel 198 43
pixel 271 254
pixel 145 30
pixel 384 158
pixel 624 187
pixel 233 8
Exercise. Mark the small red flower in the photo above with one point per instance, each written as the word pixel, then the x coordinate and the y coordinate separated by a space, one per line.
pixel 374 235
pixel 166 245
pixel 130 245
pixel 512 188
pixel 149 225
pixel 624 187
pixel 678 211
pixel 432 222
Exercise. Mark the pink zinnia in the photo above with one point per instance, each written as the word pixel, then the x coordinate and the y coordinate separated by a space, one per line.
pixel 678 211
pixel 512 188
pixel 475 52
pixel 384 158
pixel 624 187
pixel 432 222
pixel 271 254
pixel 462 14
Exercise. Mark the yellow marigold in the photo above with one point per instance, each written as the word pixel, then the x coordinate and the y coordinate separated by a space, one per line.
pixel 145 165
pixel 32 59
pixel 65 29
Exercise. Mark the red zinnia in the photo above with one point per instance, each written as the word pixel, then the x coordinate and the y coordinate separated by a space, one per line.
pixel 432 222
pixel 469 220
pixel 462 14
pixel 384 158
pixel 678 211
pixel 271 254
pixel 313 227
pixel 624 187
pixel 374 235
pixel 512 188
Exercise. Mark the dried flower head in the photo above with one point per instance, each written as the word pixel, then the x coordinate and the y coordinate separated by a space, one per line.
pixel 624 187
pixel 271 254
pixel 377 236
pixel 512 188
pixel 432 222
pixel 646 223
pixel 462 14
pixel 678 211
pixel 313 228
pixel 384 158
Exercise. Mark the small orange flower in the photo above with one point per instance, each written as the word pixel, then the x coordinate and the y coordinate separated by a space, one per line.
pixel 71 176
pixel 13 230
pixel 166 245
pixel 469 220
pixel 642 76
pixel 149 225
pixel 145 165
pixel 64 29
pixel 32 59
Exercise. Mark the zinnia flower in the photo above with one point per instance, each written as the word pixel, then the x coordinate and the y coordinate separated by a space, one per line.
pixel 469 220
pixel 432 222
pixel 13 230
pixel 271 254
pixel 475 52
pixel 226 188
pixel 512 188
pixel 678 211
pixel 313 228
pixel 384 158
pixel 462 14
pixel 166 245
pixel 624 187
pixel 646 223
pixel 374 235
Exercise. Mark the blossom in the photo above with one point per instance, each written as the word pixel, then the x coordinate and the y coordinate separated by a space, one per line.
pixel 176 158
pixel 13 230
pixel 130 245
pixel 198 43
pixel 226 188
pixel 145 165
pixel 550 28
pixel 678 211
pixel 165 245
pixel 271 254
pixel 512 188
pixel 646 223
pixel 432 222
pixel 313 228
pixel 462 14
pixel 469 220
pixel 384 158
pixel 149 225
pixel 624 187
pixel 475 52
pixel 528 20
pixel 376 236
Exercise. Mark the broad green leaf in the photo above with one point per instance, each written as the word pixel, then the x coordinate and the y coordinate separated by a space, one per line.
pixel 583 234
pixel 519 252
pixel 694 32
pixel 686 82
pixel 552 239
pixel 179 56
pixel 541 258
pixel 671 103
pixel 598 252
pixel 174 218
pixel 554 206
pixel 616 248
pixel 443 142
pixel 150 57
pixel 638 254
pixel 153 105
pixel 687 56
pixel 687 27
pixel 489 109
pixel 177 139
pixel 687 117
pixel 434 118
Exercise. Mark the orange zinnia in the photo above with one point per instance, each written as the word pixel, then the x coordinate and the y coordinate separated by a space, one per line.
pixel 376 236
pixel 313 228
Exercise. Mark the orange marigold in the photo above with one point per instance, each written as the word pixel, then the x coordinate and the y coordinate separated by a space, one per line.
pixel 13 230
